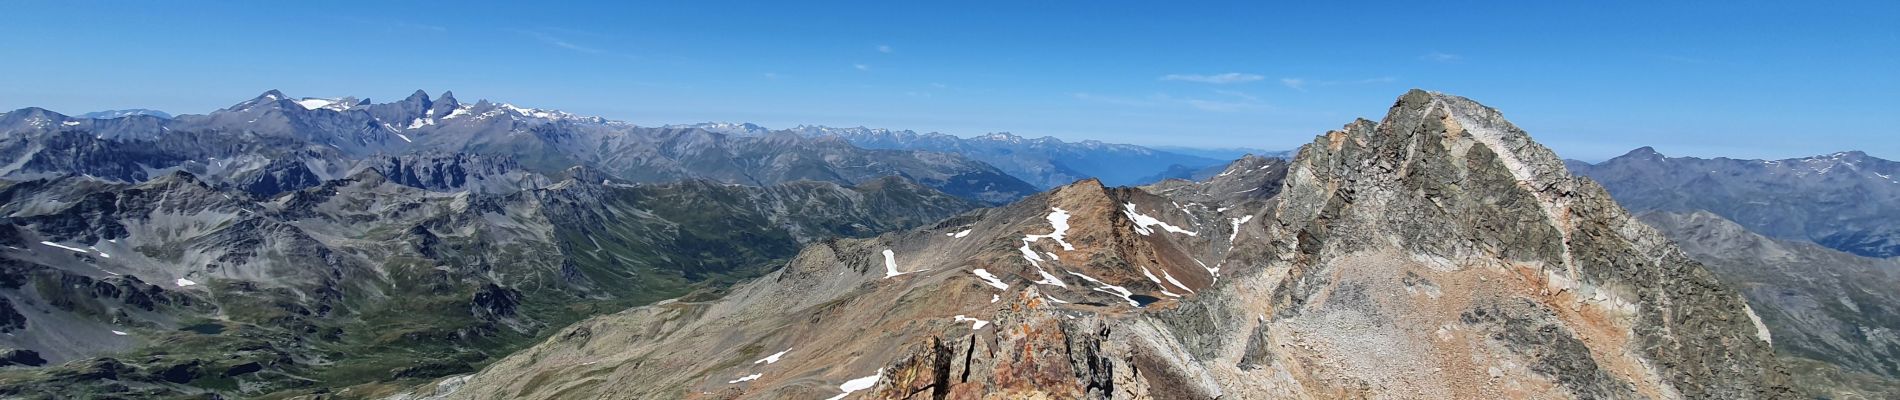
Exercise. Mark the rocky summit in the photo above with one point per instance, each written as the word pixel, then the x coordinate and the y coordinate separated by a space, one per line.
pixel 1437 253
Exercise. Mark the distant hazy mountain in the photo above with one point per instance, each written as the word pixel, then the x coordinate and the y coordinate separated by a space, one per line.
pixel 1848 201
pixel 1224 153
pixel 330 136
pixel 1046 162
pixel 110 114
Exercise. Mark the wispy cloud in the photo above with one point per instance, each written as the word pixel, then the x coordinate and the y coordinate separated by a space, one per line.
pixel 1116 100
pixel 393 25
pixel 1302 84
pixel 558 42
pixel 771 75
pixel 1235 101
pixel 861 67
pixel 1295 83
pixel 1441 57
pixel 884 48
pixel 1218 79
pixel 1238 94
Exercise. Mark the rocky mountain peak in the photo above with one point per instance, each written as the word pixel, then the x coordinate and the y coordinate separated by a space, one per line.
pixel 269 97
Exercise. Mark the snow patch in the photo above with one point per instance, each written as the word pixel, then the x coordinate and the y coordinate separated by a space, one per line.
pixel 1060 220
pixel 1143 222
pixel 858 384
pixel 312 104
pixel 70 123
pixel 991 279
pixel 1236 232
pixel 120 333
pixel 405 138
pixel 772 358
pixel 978 323
pixel 182 282
pixel 959 235
pixel 890 264
pixel 746 378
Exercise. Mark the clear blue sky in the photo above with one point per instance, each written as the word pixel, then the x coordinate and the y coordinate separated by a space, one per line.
pixel 1747 79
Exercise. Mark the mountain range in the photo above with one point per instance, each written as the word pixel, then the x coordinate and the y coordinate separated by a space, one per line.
pixel 325 138
pixel 430 249
pixel 1438 253
pixel 1843 200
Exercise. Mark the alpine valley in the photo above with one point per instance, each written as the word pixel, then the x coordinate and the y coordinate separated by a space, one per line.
pixel 427 248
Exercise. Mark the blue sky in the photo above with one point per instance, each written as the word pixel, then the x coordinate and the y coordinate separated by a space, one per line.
pixel 1590 79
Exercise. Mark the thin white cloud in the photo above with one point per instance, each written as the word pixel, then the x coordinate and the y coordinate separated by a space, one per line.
pixel 1440 57
pixel 771 75
pixel 884 48
pixel 1116 100
pixel 1294 83
pixel 1244 101
pixel 861 67
pixel 1302 84
pixel 1218 79
pixel 561 43
pixel 1239 94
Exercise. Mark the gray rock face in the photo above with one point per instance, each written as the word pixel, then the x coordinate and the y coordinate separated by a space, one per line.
pixel 1843 200
pixel 1823 306
pixel 1439 253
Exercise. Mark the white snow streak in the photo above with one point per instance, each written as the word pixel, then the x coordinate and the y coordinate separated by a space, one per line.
pixel 118 333
pixel 959 235
pixel 1170 278
pixel 746 378
pixel 1157 281
pixel 74 249
pixel 1111 289
pixel 182 282
pixel 772 358
pixel 1142 222
pixel 991 279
